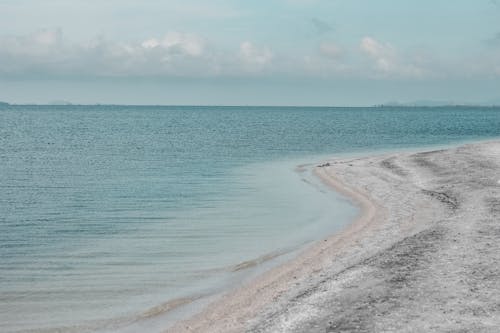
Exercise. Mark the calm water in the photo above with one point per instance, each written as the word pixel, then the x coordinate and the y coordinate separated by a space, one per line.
pixel 109 211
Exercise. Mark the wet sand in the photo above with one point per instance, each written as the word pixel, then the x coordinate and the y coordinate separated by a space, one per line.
pixel 423 256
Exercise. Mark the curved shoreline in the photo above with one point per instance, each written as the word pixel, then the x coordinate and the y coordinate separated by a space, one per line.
pixel 234 310
pixel 422 256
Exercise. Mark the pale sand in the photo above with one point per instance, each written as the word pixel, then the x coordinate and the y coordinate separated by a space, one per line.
pixel 424 256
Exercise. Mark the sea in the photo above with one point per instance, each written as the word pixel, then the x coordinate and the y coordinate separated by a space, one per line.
pixel 130 218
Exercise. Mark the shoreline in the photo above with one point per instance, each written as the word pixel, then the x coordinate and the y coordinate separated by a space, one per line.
pixel 274 282
pixel 288 297
pixel 285 274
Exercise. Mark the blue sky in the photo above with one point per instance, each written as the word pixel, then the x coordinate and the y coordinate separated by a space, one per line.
pixel 274 52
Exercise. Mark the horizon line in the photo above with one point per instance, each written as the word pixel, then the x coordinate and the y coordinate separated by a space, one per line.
pixel 389 105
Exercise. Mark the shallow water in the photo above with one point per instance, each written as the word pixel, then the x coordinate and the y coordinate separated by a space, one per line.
pixel 109 211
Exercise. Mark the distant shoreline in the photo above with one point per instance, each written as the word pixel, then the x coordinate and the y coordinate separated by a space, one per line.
pixel 376 106
pixel 409 261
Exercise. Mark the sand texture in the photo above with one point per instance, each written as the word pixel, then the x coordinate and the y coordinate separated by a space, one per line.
pixel 424 256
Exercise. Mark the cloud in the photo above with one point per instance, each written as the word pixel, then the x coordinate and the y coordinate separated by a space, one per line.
pixel 387 61
pixel 330 50
pixel 375 49
pixel 176 42
pixel 32 52
pixel 39 42
pixel 46 52
pixel 253 55
pixel 47 37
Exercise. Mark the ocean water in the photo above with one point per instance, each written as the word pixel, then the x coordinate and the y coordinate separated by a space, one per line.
pixel 111 216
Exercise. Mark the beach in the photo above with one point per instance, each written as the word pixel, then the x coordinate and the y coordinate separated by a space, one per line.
pixel 422 255
pixel 97 236
pixel 249 166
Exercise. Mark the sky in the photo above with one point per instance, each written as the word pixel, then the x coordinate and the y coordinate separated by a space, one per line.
pixel 260 52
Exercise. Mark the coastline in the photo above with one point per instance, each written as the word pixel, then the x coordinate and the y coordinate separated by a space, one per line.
pixel 234 309
pixel 345 268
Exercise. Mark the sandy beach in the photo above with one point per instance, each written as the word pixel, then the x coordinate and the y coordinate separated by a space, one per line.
pixel 423 256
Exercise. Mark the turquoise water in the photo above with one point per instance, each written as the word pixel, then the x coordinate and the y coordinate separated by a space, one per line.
pixel 109 211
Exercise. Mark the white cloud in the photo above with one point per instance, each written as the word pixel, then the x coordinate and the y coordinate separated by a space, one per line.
pixel 383 55
pixel 45 52
pixel 376 49
pixel 330 50
pixel 150 43
pixel 48 53
pixel 188 44
pixel 253 55
pixel 387 61
pixel 47 37
pixel 37 43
